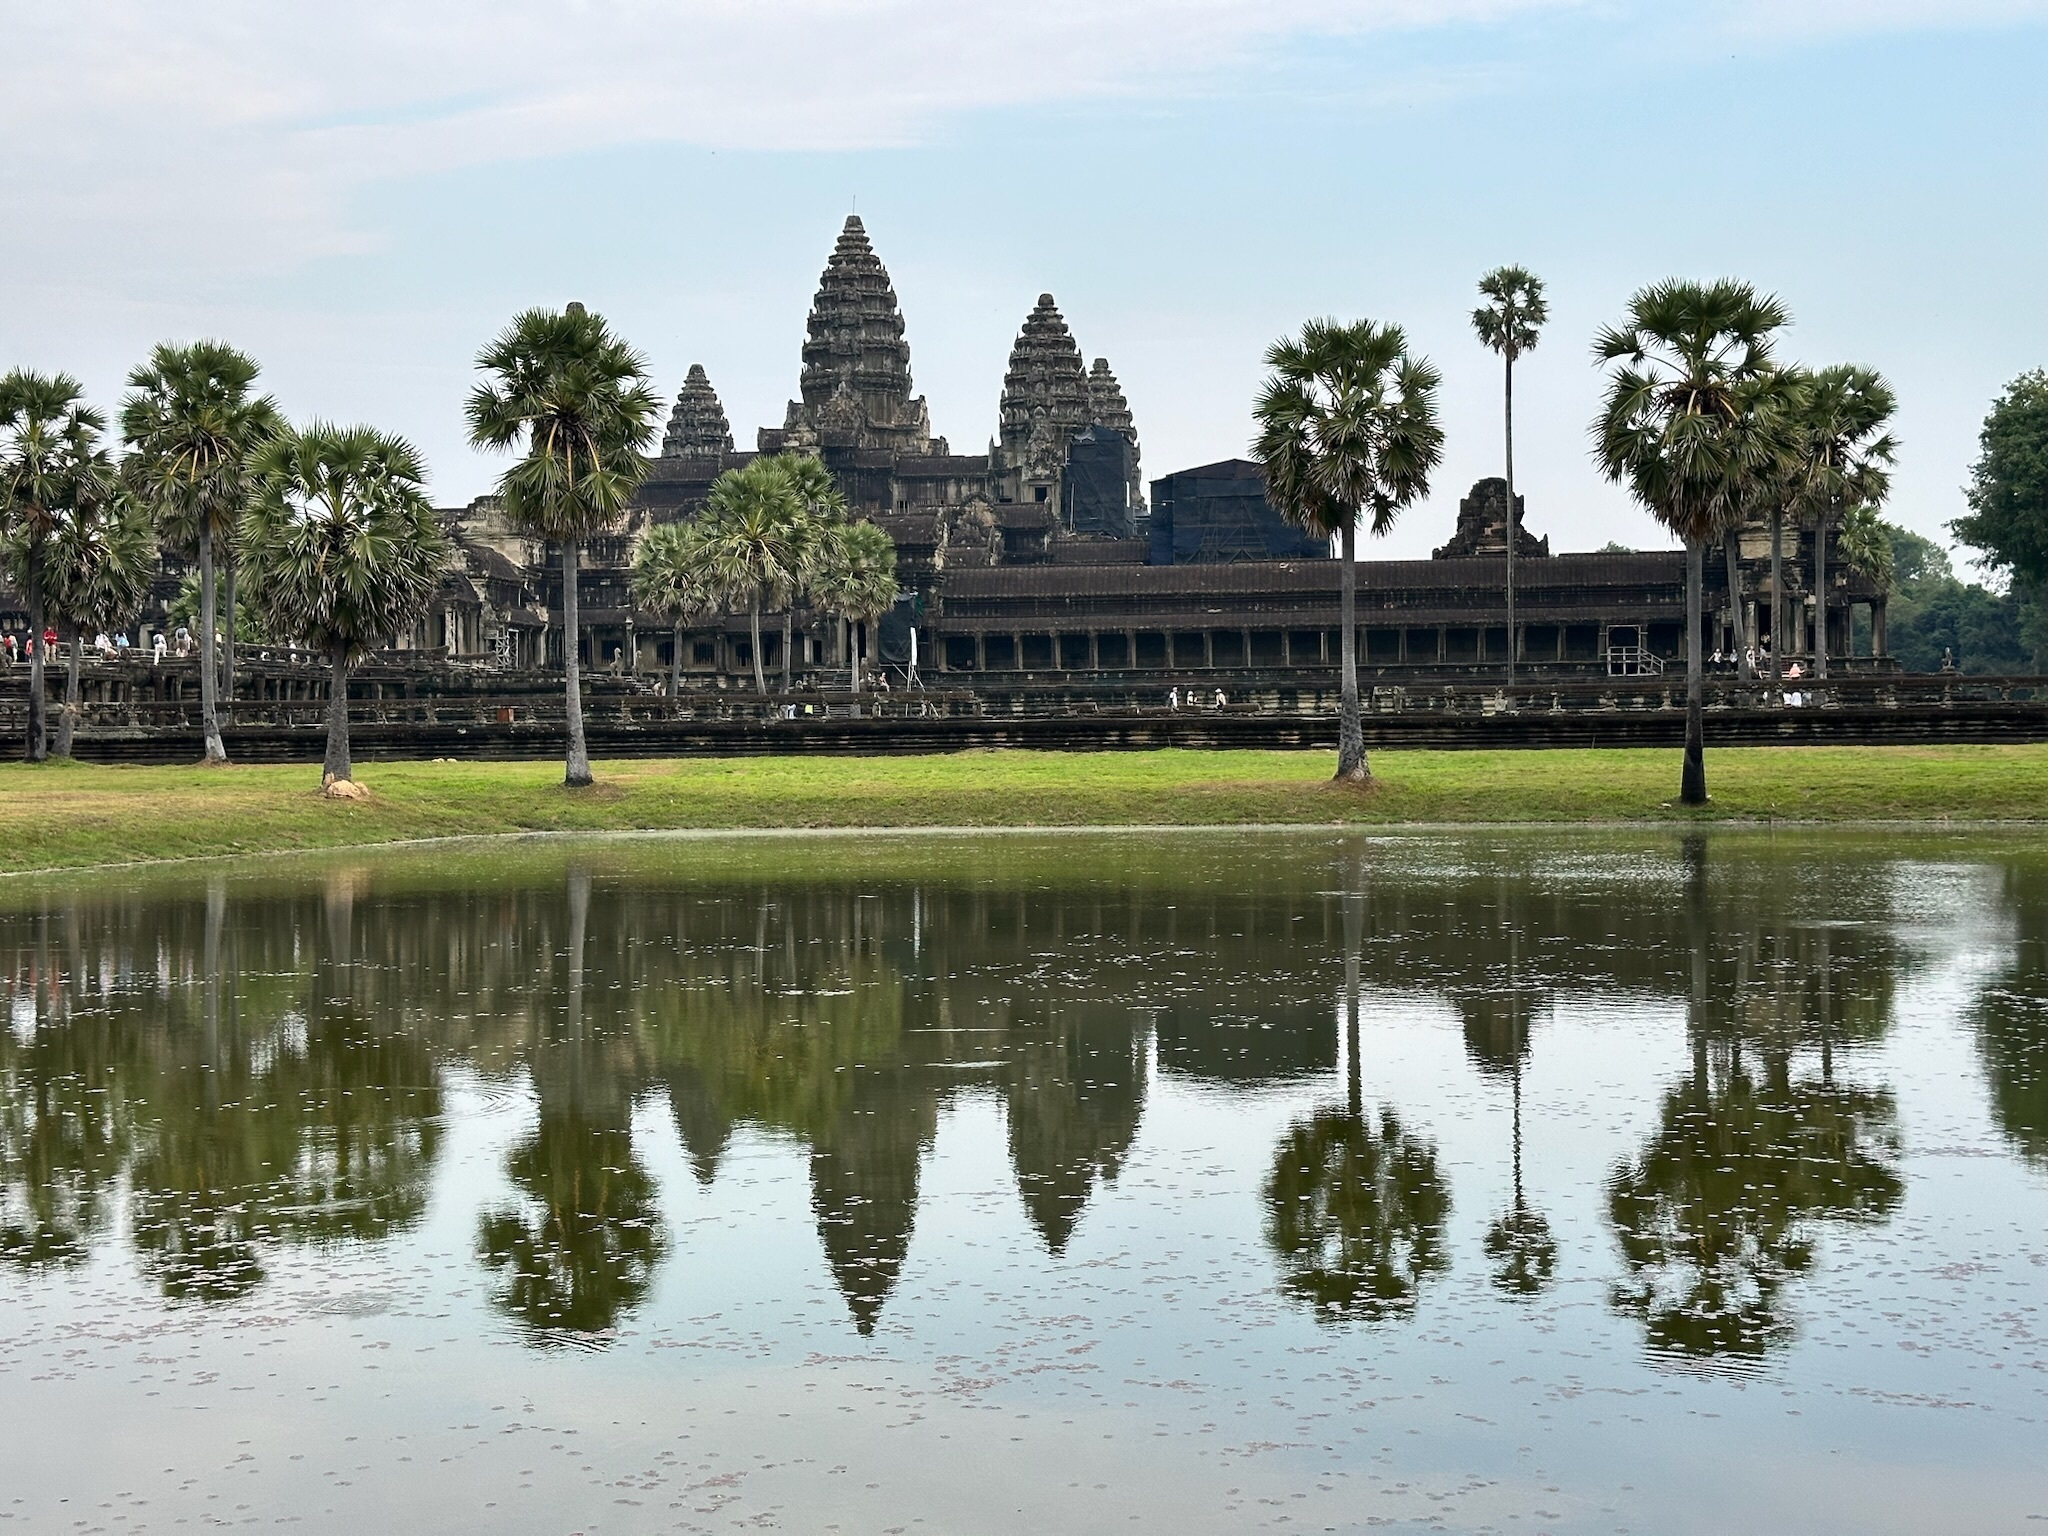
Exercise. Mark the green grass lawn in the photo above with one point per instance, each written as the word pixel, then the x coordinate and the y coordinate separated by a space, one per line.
pixel 68 815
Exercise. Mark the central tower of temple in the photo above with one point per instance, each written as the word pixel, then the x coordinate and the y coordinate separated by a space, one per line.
pixel 856 376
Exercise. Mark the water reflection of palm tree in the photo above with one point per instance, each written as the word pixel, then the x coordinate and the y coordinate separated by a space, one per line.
pixel 288 1115
pixel 580 1250
pixel 1518 1241
pixel 1719 1211
pixel 1355 1206
pixel 1497 1029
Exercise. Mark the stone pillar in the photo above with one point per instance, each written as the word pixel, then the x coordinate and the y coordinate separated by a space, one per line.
pixel 1877 627
pixel 1209 649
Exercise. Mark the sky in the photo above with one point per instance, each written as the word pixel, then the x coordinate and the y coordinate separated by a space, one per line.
pixel 361 195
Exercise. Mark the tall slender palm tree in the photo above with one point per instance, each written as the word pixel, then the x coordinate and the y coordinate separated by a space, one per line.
pixel 856 581
pixel 755 542
pixel 1760 462
pixel 572 398
pixel 821 516
pixel 1843 459
pixel 1509 322
pixel 1347 427
pixel 672 576
pixel 51 466
pixel 102 560
pixel 1672 430
pixel 190 422
pixel 343 550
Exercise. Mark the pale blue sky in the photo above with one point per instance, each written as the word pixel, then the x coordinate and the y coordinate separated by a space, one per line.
pixel 361 194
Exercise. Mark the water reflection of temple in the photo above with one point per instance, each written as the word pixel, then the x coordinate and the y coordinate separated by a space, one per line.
pixel 260 1063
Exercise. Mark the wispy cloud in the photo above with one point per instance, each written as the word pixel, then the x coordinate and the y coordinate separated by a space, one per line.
pixel 230 134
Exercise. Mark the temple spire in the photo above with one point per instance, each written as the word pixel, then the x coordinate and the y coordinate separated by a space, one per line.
pixel 697 428
pixel 856 365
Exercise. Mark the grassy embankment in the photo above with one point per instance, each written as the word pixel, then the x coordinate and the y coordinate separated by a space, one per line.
pixel 67 815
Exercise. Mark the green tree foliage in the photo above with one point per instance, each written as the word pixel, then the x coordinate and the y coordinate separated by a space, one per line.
pixel 855 580
pixel 572 400
pixel 1678 430
pixel 52 471
pixel 1933 614
pixel 1347 429
pixel 190 422
pixel 2008 493
pixel 343 547
pixel 1842 458
pixel 102 560
pixel 672 577
pixel 761 539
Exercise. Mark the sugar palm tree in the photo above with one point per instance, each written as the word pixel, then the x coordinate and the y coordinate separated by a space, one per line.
pixel 672 576
pixel 856 581
pixel 822 514
pixel 1347 428
pixel 190 422
pixel 343 550
pixel 51 466
pixel 1843 459
pixel 572 399
pixel 756 544
pixel 1672 431
pixel 1509 322
pixel 102 560
pixel 1761 457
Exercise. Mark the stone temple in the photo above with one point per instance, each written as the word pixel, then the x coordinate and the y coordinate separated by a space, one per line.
pixel 1042 561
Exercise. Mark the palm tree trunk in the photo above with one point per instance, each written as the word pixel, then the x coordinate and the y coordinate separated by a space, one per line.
pixel 754 627
pixel 853 652
pixel 1510 412
pixel 209 678
pixel 1777 595
pixel 675 675
pixel 1820 596
pixel 1351 763
pixel 1692 782
pixel 38 705
pixel 1354 933
pixel 577 772
pixel 67 719
pixel 1732 547
pixel 337 765
pixel 788 631
pixel 227 638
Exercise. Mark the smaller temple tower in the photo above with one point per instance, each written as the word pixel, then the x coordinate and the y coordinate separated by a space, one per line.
pixel 697 428
pixel 1107 404
pixel 1483 525
pixel 1045 402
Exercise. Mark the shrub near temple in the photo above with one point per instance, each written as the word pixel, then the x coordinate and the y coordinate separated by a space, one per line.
pixel 343 549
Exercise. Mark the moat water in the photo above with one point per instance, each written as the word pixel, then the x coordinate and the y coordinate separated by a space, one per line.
pixel 1186 1183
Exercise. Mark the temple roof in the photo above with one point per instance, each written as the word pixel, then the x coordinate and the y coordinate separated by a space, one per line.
pixel 697 428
